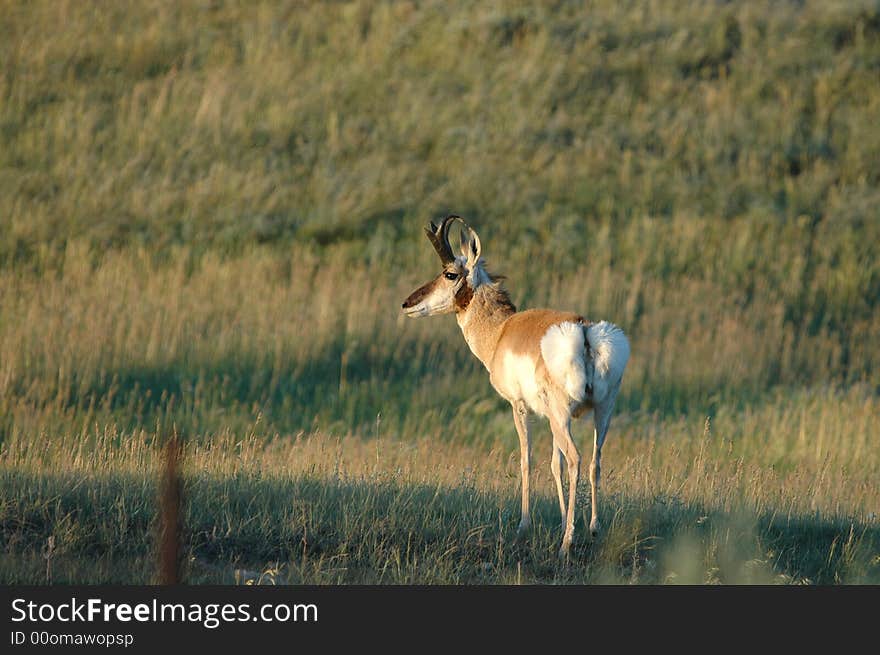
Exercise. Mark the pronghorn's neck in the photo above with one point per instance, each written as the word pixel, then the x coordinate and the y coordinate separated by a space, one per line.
pixel 481 317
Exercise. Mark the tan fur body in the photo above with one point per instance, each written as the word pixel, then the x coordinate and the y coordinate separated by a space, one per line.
pixel 508 343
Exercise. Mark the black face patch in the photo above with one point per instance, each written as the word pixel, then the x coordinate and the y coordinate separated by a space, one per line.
pixel 463 297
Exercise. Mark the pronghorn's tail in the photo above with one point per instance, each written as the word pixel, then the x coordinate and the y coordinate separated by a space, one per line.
pixel 609 349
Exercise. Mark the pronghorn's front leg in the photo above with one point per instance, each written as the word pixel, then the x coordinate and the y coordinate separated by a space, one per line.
pixel 520 418
pixel 562 439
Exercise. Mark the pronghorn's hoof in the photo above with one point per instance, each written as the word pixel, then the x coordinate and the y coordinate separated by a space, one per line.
pixel 522 532
pixel 595 528
pixel 564 549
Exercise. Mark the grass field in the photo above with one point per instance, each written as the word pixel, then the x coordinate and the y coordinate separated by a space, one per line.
pixel 211 213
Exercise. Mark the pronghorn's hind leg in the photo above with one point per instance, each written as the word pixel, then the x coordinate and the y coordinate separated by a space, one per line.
pixel 520 418
pixel 601 420
pixel 562 439
pixel 595 469
pixel 556 469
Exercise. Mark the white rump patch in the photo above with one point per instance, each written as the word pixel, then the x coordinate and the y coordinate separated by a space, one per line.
pixel 610 351
pixel 562 348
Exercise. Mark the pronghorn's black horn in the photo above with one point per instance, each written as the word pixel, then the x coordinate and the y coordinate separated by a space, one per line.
pixel 439 238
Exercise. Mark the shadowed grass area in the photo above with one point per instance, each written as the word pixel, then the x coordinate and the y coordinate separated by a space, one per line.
pixel 313 530
pixel 698 505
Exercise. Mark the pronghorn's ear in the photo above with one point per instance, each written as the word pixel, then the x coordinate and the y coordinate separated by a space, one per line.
pixel 463 236
pixel 470 246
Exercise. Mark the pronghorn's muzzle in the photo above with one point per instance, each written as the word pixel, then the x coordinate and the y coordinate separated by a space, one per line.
pixel 415 305
pixel 430 299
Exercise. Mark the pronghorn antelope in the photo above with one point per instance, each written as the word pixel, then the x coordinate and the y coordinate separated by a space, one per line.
pixel 555 364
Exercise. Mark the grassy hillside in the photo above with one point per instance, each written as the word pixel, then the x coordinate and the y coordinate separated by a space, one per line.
pixel 212 123
pixel 210 214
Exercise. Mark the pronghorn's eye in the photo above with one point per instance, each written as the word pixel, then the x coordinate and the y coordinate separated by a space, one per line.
pixel 451 276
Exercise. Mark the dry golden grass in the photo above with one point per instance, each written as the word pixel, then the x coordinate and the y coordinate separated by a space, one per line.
pixel 748 498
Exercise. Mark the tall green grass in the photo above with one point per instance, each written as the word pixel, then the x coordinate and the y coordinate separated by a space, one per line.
pixel 159 123
pixel 308 342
